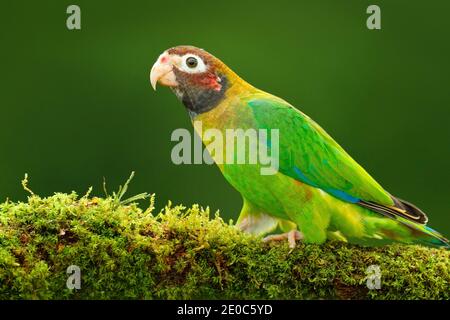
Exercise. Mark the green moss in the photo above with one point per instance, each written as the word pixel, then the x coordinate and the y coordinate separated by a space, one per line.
pixel 127 253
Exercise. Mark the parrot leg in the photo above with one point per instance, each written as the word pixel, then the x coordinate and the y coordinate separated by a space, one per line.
pixel 292 236
pixel 252 220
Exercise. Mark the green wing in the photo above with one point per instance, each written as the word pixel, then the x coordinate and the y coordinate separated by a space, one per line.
pixel 308 154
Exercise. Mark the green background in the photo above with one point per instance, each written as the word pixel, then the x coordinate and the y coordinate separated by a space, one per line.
pixel 76 106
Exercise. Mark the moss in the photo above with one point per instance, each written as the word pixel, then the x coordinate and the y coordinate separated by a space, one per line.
pixel 181 253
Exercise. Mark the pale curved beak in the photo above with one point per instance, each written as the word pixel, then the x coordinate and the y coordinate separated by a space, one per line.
pixel 162 72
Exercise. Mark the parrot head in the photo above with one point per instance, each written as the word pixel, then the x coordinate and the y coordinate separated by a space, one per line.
pixel 197 78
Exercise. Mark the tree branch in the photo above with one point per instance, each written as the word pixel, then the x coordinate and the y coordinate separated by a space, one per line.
pixel 125 252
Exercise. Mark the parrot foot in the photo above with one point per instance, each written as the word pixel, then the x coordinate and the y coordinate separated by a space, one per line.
pixel 292 236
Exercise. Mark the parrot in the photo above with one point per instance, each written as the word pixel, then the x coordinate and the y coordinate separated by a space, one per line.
pixel 318 193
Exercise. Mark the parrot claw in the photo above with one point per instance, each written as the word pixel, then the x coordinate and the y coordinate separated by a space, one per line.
pixel 292 236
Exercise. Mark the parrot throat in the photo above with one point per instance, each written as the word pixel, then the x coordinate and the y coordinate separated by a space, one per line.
pixel 198 99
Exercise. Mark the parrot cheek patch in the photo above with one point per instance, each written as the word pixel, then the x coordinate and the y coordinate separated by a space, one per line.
pixel 211 81
pixel 200 93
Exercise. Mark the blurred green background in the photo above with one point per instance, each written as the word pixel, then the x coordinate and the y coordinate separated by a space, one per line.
pixel 76 106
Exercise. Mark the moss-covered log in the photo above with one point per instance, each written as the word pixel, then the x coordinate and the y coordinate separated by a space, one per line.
pixel 125 252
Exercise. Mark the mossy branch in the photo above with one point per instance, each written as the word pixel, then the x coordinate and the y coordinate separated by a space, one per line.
pixel 127 253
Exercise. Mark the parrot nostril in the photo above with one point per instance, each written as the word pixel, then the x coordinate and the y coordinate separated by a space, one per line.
pixel 164 59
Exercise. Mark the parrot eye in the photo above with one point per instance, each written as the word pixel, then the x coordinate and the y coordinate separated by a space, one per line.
pixel 191 62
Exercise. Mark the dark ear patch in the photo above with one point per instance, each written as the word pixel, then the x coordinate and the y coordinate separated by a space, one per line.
pixel 199 98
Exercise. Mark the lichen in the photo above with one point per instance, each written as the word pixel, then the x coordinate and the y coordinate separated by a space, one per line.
pixel 125 252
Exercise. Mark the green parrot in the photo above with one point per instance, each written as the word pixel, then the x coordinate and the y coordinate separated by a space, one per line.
pixel 318 192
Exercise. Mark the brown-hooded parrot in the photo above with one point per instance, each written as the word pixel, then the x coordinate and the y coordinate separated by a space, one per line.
pixel 318 192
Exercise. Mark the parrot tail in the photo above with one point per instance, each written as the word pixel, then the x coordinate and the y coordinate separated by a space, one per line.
pixel 412 217
pixel 427 236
